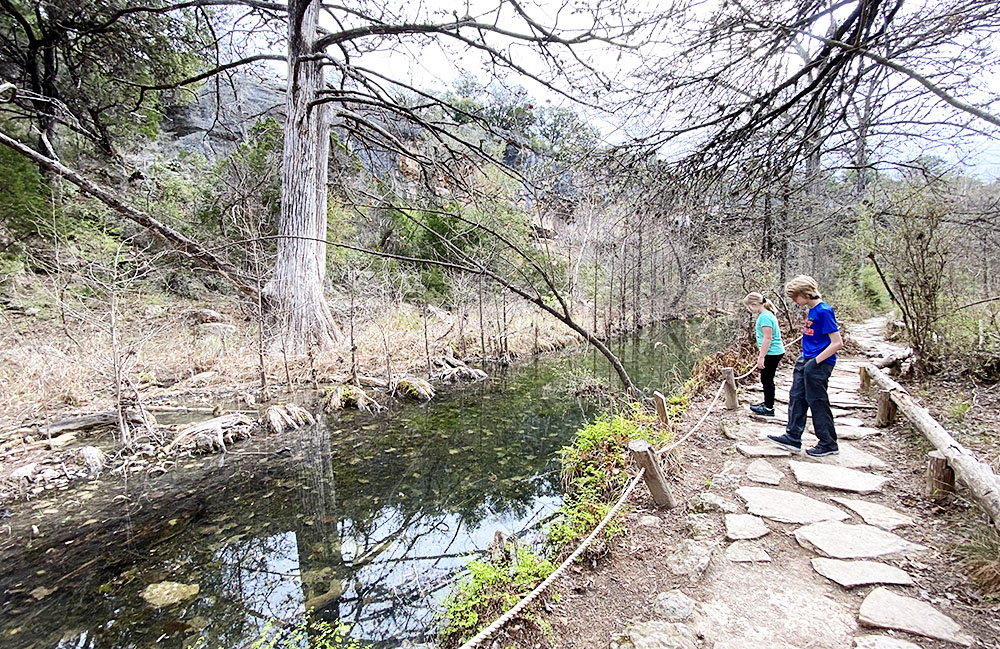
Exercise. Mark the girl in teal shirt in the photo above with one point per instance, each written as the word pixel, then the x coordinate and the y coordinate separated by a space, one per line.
pixel 771 348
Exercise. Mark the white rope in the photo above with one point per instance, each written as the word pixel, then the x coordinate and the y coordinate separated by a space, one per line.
pixel 506 617
pixel 715 399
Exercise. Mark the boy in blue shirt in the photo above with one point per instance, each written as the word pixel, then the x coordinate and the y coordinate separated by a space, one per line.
pixel 821 340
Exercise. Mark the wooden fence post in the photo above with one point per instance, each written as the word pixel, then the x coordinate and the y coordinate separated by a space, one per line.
pixel 886 409
pixel 866 379
pixel 940 476
pixel 729 376
pixel 646 458
pixel 660 402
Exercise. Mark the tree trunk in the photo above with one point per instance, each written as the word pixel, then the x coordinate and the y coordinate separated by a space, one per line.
pixel 298 310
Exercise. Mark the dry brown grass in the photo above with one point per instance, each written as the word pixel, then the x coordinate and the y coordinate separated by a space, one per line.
pixel 60 358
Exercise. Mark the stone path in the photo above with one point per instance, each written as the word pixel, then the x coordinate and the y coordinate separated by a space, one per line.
pixel 809 561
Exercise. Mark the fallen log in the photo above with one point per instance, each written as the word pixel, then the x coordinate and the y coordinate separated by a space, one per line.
pixel 978 477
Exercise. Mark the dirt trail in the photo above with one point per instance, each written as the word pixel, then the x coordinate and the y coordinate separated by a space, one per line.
pixel 735 564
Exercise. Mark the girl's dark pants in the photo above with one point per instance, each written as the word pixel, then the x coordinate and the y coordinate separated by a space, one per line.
pixel 771 362
pixel 809 385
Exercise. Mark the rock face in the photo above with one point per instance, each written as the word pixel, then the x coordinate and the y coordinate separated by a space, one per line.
pixel 885 609
pixel 168 593
pixel 842 541
pixel 690 558
pixel 760 470
pixel 788 506
pixel 744 526
pixel 860 573
pixel 826 476
pixel 673 606
pixel 875 514
pixel 656 634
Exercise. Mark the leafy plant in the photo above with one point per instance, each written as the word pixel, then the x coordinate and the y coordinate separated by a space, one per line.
pixel 492 587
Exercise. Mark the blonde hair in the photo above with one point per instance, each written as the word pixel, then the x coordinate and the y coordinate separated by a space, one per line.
pixel 758 298
pixel 803 285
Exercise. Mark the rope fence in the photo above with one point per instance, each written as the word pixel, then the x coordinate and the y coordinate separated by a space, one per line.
pixel 530 597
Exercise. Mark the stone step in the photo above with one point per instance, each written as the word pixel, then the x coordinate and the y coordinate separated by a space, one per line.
pixel 850 574
pixel 744 527
pixel 764 472
pixel 828 476
pixel 875 514
pixel 842 541
pixel 885 609
pixel 788 506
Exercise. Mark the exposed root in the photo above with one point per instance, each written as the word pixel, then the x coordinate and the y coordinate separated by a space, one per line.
pixel 416 388
pixel 349 396
pixel 461 373
pixel 212 435
pixel 289 416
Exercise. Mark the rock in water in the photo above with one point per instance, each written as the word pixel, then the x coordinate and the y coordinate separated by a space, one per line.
pixel 885 609
pixel 168 593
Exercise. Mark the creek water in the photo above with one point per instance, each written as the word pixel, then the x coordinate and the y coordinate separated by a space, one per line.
pixel 367 520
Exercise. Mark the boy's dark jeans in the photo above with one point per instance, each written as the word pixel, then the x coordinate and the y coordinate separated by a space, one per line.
pixel 809 385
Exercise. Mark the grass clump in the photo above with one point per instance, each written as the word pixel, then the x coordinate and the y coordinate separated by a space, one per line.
pixel 492 587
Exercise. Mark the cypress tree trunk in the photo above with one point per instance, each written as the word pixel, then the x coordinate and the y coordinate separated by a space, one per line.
pixel 297 307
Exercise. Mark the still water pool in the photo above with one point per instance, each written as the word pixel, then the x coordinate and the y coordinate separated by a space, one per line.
pixel 367 520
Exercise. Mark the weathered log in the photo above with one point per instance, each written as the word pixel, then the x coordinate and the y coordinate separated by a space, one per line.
pixel 730 378
pixel 893 359
pixel 646 458
pixel 940 477
pixel 978 477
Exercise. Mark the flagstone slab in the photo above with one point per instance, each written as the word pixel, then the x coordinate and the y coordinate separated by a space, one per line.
pixel 882 642
pixel 852 457
pixel 875 514
pixel 741 527
pixel 847 421
pixel 788 506
pixel 885 609
pixel 860 573
pixel 856 432
pixel 842 541
pixel 760 470
pixel 828 476
pixel 762 450
pixel 746 552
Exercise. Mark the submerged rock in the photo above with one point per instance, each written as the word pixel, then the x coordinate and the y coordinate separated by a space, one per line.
pixel 168 593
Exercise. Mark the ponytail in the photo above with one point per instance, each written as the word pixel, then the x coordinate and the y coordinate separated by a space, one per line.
pixel 769 305
pixel 758 298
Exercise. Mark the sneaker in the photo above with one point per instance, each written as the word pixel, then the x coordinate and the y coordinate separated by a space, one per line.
pixel 822 451
pixel 761 409
pixel 784 441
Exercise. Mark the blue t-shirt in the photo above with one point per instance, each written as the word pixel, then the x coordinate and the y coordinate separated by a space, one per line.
pixel 767 319
pixel 820 323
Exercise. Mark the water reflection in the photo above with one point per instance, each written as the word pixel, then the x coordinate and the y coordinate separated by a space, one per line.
pixel 365 520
